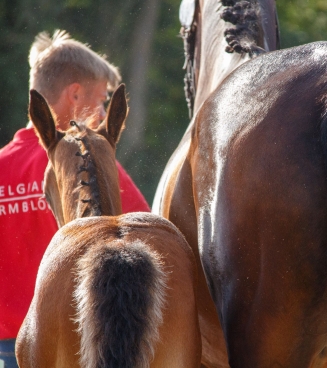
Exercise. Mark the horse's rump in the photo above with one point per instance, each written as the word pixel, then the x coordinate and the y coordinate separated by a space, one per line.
pixel 107 295
pixel 263 206
pixel 265 130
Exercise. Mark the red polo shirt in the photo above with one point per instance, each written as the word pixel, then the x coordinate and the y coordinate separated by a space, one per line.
pixel 27 224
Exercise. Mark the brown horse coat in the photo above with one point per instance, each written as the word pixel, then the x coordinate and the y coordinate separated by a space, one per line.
pixel 111 291
pixel 205 42
pixel 262 207
pixel 256 169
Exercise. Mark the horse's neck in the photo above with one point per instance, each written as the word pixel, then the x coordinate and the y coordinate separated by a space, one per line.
pixel 212 62
pixel 108 185
pixel 269 24
pixel 213 72
pixel 94 191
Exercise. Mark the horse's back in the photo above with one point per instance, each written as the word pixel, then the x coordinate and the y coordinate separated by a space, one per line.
pixel 263 207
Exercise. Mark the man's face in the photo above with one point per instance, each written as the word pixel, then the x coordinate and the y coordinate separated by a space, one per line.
pixel 91 101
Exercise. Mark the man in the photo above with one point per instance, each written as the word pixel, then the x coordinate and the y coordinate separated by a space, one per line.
pixel 75 81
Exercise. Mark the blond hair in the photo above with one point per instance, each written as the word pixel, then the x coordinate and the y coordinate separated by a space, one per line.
pixel 60 61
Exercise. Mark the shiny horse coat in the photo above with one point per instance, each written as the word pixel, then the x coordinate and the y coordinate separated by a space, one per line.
pixel 261 208
pixel 209 27
pixel 259 178
pixel 112 290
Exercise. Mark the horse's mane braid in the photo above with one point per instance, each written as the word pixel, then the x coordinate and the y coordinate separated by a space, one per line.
pixel 188 35
pixel 94 208
pixel 242 38
pixel 245 35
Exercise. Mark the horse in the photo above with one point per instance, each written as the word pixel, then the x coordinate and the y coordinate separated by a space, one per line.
pixel 261 207
pixel 112 290
pixel 254 185
pixel 219 36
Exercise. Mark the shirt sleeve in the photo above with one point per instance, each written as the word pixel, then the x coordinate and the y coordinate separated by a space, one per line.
pixel 131 197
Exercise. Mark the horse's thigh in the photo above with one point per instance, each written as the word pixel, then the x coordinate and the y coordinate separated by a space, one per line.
pixel 179 343
pixel 264 340
pixel 180 340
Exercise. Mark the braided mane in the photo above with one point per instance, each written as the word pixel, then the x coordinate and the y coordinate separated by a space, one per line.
pixel 94 208
pixel 242 38
pixel 245 36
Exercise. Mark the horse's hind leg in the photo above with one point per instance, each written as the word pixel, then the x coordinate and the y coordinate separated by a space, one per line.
pixel 275 342
pixel 180 340
pixel 179 344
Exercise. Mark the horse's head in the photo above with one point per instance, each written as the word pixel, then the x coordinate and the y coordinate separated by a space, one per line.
pixel 81 177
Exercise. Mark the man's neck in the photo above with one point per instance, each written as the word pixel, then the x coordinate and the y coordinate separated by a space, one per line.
pixel 29 125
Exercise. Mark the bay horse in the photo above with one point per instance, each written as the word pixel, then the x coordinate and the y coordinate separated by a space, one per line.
pixel 112 290
pixel 254 184
pixel 219 36
pixel 259 178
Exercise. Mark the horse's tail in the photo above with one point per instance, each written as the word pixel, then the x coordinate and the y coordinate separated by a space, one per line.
pixel 120 297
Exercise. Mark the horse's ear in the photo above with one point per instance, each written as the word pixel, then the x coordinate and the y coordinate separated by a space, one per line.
pixel 117 114
pixel 42 119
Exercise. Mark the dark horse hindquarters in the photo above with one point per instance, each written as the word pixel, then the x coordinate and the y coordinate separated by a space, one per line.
pixel 263 233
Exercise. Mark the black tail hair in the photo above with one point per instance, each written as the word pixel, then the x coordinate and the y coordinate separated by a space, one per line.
pixel 120 297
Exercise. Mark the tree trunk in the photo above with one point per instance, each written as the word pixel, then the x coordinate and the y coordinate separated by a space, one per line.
pixel 134 136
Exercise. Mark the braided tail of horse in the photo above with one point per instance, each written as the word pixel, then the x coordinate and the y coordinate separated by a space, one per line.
pixel 120 297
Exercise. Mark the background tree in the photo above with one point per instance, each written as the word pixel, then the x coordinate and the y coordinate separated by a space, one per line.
pixel 141 37
pixel 302 21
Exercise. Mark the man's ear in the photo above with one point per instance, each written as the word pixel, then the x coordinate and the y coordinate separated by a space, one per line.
pixel 73 93
pixel 116 114
pixel 42 119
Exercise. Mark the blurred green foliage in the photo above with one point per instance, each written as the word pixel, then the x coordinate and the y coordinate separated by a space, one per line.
pixel 302 21
pixel 107 25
